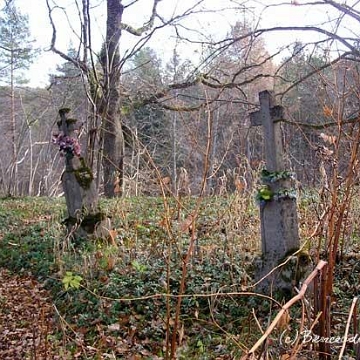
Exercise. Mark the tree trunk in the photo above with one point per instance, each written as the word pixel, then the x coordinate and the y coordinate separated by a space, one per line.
pixel 113 140
pixel 174 154
pixel 13 185
pixel 113 155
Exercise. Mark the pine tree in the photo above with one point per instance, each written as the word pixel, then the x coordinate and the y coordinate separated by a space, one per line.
pixel 150 119
pixel 68 89
pixel 16 55
pixel 304 103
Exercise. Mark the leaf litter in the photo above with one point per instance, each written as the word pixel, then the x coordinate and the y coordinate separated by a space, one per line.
pixel 26 319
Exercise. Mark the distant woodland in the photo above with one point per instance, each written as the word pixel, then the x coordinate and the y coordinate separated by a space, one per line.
pixel 150 125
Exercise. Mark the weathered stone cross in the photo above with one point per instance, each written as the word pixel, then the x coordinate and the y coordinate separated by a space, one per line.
pixel 269 116
pixel 84 217
pixel 279 222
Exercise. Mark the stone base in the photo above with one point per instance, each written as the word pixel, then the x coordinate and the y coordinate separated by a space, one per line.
pixel 281 280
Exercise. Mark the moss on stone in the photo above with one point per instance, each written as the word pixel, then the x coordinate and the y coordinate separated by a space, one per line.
pixel 90 221
pixel 64 110
pixel 297 267
pixel 70 121
pixel 84 175
pixel 69 221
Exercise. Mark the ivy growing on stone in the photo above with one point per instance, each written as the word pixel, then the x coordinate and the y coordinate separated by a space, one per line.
pixel 266 194
pixel 274 176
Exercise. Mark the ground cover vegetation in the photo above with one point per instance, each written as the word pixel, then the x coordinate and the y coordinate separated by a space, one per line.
pixel 169 174
pixel 115 301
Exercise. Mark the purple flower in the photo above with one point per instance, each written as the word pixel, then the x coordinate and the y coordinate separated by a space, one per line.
pixel 67 144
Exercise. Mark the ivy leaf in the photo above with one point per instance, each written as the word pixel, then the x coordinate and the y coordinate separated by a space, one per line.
pixel 265 193
pixel 71 281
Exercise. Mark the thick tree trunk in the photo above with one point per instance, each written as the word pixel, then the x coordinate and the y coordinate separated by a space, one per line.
pixel 113 155
pixel 113 141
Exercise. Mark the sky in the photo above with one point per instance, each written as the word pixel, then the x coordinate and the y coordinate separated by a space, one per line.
pixel 216 24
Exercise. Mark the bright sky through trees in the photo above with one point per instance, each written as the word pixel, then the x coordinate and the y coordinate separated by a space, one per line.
pixel 213 22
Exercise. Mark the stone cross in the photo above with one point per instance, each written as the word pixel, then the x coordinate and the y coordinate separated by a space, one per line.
pixel 279 222
pixel 269 117
pixel 84 216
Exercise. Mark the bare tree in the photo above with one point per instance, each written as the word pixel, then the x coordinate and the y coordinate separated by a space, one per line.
pixel 104 89
pixel 104 86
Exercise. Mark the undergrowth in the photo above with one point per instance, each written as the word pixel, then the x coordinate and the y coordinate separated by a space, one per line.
pixel 125 303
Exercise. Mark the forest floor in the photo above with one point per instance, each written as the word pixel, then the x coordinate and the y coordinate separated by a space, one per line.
pixel 96 301
pixel 26 319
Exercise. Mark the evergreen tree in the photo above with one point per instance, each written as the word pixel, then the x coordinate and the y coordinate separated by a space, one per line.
pixel 16 49
pixel 68 89
pixel 16 55
pixel 305 103
pixel 152 126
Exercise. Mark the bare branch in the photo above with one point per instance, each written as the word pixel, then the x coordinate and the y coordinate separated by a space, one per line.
pixel 254 66
pixel 79 64
pixel 8 3
pixel 225 43
pixel 329 34
pixel 287 306
pixel 189 108
pixel 313 72
pixel 130 4
pixel 346 9
pixel 203 79
pixel 351 120
pixel 146 27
